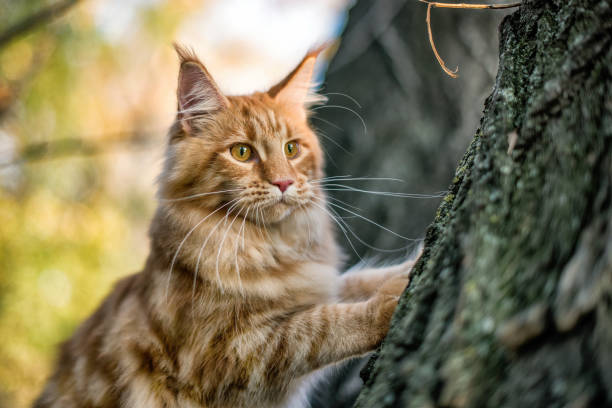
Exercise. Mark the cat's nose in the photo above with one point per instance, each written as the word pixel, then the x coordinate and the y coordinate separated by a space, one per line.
pixel 282 184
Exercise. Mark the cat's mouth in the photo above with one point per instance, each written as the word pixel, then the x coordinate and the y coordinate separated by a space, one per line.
pixel 289 200
pixel 282 206
pixel 274 205
pixel 284 203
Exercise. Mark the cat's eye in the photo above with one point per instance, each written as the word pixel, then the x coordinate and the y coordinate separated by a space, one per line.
pixel 291 149
pixel 241 152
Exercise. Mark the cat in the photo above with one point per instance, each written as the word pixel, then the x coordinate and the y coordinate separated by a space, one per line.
pixel 241 297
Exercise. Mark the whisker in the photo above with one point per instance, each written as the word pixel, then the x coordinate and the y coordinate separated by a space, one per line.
pixel 373 222
pixel 332 124
pixel 210 233
pixel 365 243
pixel 199 195
pixel 365 128
pixel 183 242
pixel 329 156
pixel 242 246
pixel 197 269
pixel 263 224
pixel 330 179
pixel 341 228
pixel 326 136
pixel 221 247
pixel 345 95
pixel 347 204
pixel 225 219
pixel 240 231
pixel 342 187
pixel 303 207
pixel 388 194
pixel 257 222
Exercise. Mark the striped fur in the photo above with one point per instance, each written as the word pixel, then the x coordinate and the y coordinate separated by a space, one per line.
pixel 240 299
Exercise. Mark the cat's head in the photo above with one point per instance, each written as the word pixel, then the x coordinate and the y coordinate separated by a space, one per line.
pixel 254 154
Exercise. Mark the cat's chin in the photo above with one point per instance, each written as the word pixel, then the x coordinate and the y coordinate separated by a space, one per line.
pixel 278 212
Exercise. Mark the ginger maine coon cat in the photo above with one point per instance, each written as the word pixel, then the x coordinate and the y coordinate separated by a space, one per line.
pixel 241 296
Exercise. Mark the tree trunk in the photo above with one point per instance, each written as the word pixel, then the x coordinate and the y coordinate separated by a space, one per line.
pixel 511 302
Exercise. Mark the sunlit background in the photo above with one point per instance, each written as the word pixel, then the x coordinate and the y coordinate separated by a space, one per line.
pixel 85 101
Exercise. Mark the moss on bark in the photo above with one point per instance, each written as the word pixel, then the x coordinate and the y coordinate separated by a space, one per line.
pixel 511 303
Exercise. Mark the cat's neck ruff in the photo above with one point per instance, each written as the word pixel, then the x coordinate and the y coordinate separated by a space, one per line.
pixel 245 256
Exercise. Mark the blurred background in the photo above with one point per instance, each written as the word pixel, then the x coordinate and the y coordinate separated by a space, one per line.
pixel 87 91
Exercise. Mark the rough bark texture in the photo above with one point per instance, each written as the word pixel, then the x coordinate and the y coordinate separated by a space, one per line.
pixel 511 303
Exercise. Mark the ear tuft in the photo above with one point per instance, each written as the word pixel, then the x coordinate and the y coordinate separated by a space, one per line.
pixel 186 54
pixel 198 94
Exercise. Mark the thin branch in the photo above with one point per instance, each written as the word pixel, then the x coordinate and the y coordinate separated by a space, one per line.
pixel 470 6
pixel 68 147
pixel 34 20
pixel 452 74
pixel 431 4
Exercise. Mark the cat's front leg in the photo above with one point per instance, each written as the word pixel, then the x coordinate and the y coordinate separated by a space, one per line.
pixel 362 284
pixel 329 333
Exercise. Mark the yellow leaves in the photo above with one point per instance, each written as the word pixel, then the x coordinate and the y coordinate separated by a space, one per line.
pixel 15 60
pixel 58 259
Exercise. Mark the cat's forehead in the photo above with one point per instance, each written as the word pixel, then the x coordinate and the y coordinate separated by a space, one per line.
pixel 260 119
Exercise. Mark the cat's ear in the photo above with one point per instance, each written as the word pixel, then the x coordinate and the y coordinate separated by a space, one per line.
pixel 295 90
pixel 198 94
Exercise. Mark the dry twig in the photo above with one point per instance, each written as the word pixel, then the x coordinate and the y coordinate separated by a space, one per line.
pixel 470 6
pixel 431 4
pixel 452 74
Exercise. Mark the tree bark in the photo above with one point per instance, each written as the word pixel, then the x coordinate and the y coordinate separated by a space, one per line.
pixel 511 302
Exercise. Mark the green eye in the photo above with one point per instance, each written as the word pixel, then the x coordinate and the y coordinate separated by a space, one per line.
pixel 291 149
pixel 241 152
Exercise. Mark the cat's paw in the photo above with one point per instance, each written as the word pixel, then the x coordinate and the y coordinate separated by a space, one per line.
pixel 381 310
pixel 383 304
pixel 395 285
pixel 404 269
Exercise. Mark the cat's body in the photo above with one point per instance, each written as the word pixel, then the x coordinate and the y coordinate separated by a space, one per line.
pixel 241 298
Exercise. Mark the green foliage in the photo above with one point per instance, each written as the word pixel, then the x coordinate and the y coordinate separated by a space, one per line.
pixel 69 228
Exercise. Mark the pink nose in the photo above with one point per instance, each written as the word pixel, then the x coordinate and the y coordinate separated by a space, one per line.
pixel 282 184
